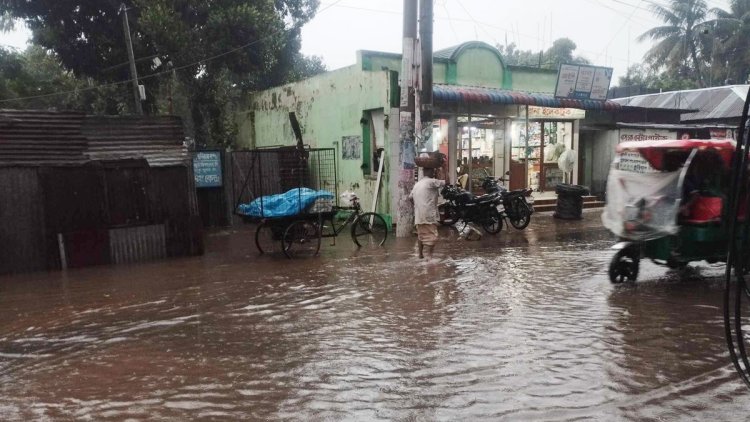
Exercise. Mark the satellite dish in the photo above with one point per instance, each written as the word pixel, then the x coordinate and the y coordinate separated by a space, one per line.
pixel 567 160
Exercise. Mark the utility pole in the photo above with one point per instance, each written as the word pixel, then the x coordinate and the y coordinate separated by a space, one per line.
pixel 425 43
pixel 131 58
pixel 407 150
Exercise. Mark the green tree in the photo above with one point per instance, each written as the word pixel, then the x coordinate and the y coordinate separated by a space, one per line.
pixel 731 32
pixel 515 57
pixel 561 51
pixel 209 51
pixel 681 42
pixel 36 73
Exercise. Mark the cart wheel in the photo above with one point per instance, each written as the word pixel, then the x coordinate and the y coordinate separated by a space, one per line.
pixel 624 265
pixel 494 223
pixel 301 239
pixel 369 229
pixel 264 238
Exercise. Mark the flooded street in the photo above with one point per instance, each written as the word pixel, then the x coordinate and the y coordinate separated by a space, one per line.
pixel 522 326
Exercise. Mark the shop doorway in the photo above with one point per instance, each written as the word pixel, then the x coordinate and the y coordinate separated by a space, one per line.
pixel 479 152
pixel 539 154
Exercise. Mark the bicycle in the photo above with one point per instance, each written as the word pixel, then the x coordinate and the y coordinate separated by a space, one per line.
pixel 301 235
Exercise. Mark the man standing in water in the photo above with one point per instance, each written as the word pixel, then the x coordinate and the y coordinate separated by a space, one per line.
pixel 425 196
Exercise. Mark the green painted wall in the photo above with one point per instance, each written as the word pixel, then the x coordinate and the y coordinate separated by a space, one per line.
pixel 532 80
pixel 331 106
pixel 479 67
pixel 373 60
pixel 328 107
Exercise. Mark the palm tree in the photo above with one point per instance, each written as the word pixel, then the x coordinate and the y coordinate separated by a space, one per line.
pixel 680 42
pixel 732 31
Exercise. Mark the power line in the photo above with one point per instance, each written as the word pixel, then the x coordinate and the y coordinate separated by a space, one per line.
pixel 475 21
pixel 164 72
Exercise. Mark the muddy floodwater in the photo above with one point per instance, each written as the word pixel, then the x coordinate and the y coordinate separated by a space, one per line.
pixel 521 326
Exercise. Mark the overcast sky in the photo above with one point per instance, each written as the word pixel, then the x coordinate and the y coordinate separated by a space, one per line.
pixel 604 30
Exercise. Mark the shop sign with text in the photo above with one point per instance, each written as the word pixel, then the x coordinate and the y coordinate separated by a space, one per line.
pixel 627 135
pixel 556 113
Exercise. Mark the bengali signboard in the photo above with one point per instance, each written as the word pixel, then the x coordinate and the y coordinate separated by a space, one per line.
pixel 627 135
pixel 583 82
pixel 634 162
pixel 536 112
pixel 207 169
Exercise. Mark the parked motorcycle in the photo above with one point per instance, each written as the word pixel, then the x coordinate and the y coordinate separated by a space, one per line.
pixel 462 205
pixel 517 205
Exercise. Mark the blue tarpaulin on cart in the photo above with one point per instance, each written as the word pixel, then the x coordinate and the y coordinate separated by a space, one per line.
pixel 287 204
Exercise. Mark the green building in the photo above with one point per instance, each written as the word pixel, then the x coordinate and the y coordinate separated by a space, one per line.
pixel 489 118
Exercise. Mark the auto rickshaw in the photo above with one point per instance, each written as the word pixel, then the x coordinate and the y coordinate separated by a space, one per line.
pixel 666 201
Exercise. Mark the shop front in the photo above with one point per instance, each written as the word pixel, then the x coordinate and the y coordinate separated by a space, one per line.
pixel 526 141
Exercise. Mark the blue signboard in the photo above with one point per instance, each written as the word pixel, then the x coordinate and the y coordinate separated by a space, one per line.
pixel 207 169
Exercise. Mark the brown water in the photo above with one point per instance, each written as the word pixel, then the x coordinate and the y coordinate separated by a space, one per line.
pixel 524 326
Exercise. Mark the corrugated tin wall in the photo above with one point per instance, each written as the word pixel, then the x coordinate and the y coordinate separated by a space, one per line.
pixel 49 187
pixel 135 244
pixel 22 234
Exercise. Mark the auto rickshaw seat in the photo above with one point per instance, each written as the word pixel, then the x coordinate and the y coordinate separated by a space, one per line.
pixel 704 210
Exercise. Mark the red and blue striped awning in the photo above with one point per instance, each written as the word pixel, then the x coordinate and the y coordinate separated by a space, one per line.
pixel 493 96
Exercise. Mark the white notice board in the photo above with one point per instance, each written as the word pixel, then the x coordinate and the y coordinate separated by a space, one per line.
pixel 583 82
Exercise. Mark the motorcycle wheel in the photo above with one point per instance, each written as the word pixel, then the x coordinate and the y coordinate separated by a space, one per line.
pixel 493 223
pixel 448 215
pixel 522 216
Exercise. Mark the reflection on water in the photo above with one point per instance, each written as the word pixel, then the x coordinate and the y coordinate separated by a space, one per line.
pixel 524 326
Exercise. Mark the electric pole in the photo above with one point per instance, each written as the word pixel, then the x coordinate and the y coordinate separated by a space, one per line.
pixel 407 150
pixel 425 43
pixel 131 58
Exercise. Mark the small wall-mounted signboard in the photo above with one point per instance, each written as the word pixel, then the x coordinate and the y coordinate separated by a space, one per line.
pixel 207 169
pixel 351 147
pixel 583 82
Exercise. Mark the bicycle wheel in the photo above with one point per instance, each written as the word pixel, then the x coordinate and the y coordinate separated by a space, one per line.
pixel 264 238
pixel 301 239
pixel 369 229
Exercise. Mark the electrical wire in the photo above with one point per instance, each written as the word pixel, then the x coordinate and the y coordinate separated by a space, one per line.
pixel 164 72
pixel 737 251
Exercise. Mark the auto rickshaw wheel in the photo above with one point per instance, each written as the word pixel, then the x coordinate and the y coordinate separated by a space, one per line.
pixel 624 265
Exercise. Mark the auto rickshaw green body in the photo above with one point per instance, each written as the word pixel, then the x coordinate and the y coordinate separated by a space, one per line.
pixel 693 240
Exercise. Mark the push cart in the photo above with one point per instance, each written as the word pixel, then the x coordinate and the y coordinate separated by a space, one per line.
pixel 291 195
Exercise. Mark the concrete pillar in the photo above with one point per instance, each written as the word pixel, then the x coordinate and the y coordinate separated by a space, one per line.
pixel 452 147
pixel 575 145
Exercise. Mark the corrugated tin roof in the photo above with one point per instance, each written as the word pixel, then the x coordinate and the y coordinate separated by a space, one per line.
pixel 477 95
pixel 41 137
pixel 718 103
pixel 158 139
pixel 36 137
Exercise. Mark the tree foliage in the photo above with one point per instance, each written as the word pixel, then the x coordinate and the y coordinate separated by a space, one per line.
pixel 698 47
pixel 210 51
pixel 561 51
pixel 36 73
pixel 730 61
pixel 681 41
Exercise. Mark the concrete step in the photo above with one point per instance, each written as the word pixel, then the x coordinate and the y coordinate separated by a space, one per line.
pixel 553 201
pixel 551 207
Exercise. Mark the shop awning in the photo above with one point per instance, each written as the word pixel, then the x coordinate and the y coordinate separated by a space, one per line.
pixel 494 96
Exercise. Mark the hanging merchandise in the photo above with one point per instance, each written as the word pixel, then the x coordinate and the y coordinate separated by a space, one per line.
pixel 567 161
